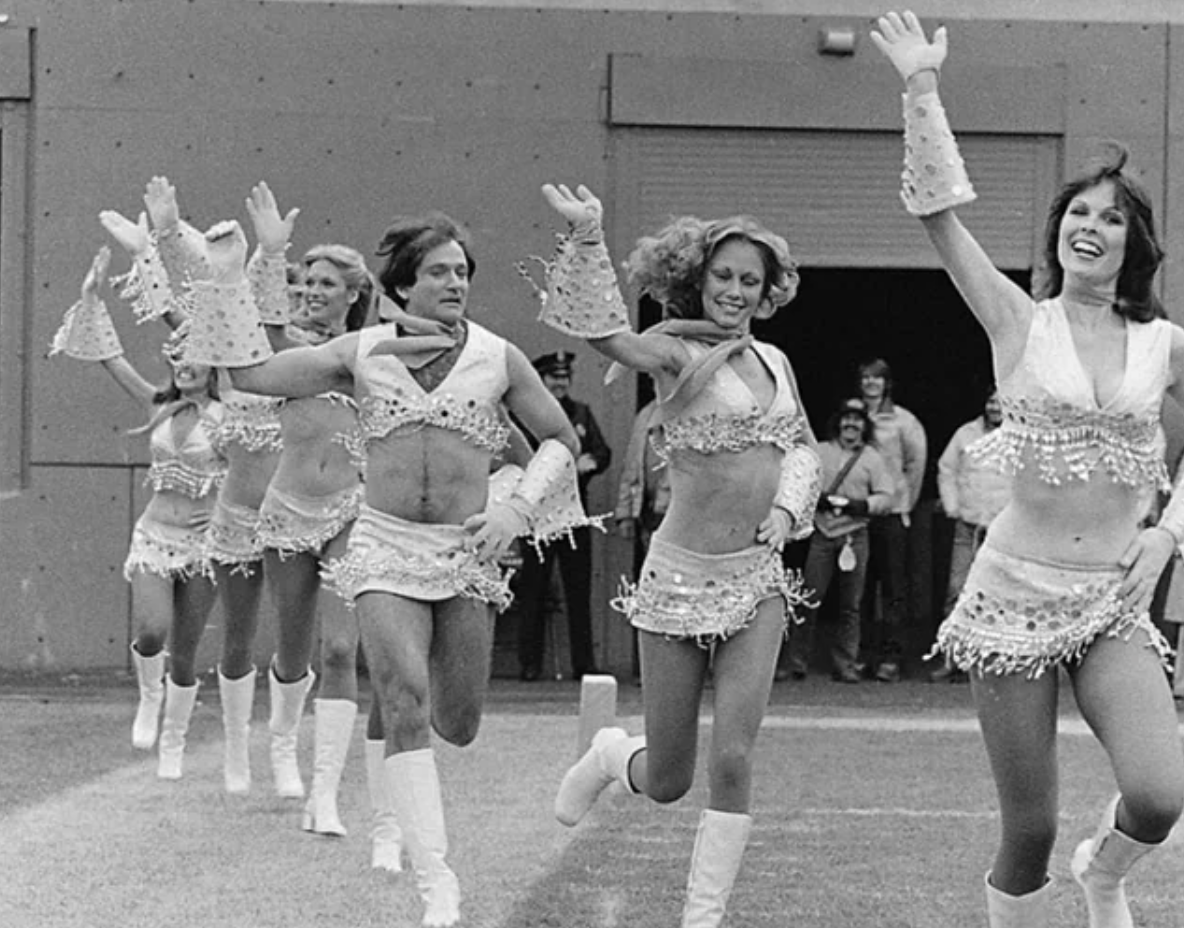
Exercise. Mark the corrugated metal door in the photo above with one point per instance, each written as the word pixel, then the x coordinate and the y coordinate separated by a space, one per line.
pixel 834 195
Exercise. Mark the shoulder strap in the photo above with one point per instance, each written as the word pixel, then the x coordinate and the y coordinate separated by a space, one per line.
pixel 844 472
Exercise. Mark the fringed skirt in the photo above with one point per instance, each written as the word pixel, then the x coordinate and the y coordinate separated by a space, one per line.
pixel 166 550
pixel 233 537
pixel 415 560
pixel 706 597
pixel 291 523
pixel 1022 616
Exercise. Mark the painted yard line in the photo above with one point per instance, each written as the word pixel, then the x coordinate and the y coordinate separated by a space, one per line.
pixel 898 812
pixel 887 723
pixel 1065 726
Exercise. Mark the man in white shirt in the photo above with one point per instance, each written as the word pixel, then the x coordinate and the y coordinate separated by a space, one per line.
pixel 972 493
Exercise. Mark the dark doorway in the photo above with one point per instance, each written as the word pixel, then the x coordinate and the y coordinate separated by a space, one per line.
pixel 941 364
pixel 914 319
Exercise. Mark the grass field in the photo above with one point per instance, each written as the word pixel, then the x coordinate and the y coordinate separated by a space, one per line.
pixel 873 808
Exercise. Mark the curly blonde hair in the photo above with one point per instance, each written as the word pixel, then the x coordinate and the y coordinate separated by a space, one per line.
pixel 669 265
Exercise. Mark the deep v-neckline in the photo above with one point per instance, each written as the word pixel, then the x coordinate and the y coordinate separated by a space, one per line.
pixel 181 441
pixel 1079 365
pixel 764 410
pixel 451 355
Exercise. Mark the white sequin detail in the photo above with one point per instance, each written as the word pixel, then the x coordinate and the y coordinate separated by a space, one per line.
pixel 381 415
pixel 251 421
pixel 1065 442
pixel 715 432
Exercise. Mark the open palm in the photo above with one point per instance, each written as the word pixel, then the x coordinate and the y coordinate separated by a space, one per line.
pixel 903 42
pixel 580 208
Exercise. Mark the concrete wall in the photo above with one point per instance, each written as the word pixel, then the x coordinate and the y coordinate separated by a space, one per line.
pixel 358 111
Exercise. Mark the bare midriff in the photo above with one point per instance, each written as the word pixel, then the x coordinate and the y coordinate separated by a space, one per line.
pixel 315 461
pixel 169 507
pixel 718 500
pixel 1081 522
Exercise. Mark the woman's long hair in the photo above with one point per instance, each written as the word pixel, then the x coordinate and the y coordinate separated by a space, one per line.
pixel 168 399
pixel 352 265
pixel 670 265
pixel 1134 297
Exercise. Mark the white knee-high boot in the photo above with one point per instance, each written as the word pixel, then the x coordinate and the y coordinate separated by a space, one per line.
pixel 238 698
pixel 386 838
pixel 150 676
pixel 605 762
pixel 178 709
pixel 287 708
pixel 1099 865
pixel 1027 911
pixel 332 733
pixel 415 785
pixel 719 845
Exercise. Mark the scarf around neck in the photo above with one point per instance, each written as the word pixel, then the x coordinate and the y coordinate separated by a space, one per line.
pixel 420 341
pixel 726 343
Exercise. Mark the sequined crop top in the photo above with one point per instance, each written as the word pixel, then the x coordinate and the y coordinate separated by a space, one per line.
pixel 725 415
pixel 466 401
pixel 250 420
pixel 1052 421
pixel 195 468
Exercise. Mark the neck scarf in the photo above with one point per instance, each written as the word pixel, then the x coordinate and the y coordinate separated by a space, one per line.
pixel 726 343
pixel 420 341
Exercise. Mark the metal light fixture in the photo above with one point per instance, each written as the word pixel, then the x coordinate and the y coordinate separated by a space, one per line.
pixel 836 40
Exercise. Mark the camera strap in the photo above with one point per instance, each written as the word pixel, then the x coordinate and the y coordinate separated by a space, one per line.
pixel 845 471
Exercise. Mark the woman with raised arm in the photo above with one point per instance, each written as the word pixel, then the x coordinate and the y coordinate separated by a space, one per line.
pixel 313 495
pixel 422 563
pixel 744 477
pixel 172 271
pixel 312 500
pixel 172 591
pixel 1066 574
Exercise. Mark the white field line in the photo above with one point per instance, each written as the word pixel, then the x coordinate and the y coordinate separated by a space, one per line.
pixel 888 723
pixel 894 723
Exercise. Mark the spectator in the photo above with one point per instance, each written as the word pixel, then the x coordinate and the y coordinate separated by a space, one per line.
pixel 857 485
pixel 574 557
pixel 901 441
pixel 972 494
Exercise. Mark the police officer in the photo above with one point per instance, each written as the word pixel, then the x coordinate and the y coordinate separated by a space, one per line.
pixel 575 563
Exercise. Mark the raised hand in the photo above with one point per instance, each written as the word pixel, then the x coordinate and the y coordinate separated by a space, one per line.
pixel 95 276
pixel 227 250
pixel 903 42
pixel 133 236
pixel 580 209
pixel 161 199
pixel 272 230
